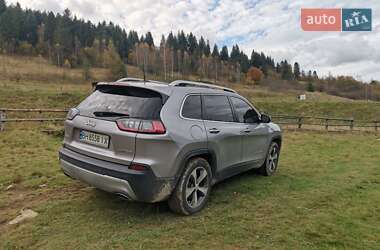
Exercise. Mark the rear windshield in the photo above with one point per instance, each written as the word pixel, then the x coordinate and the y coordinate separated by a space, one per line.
pixel 131 101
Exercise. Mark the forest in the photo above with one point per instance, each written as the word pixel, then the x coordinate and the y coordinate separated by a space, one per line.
pixel 70 42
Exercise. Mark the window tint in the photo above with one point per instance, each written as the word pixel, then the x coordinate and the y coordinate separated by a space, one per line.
pixel 244 112
pixel 135 102
pixel 192 107
pixel 217 108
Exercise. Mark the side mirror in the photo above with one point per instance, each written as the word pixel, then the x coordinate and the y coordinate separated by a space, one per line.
pixel 251 116
pixel 265 118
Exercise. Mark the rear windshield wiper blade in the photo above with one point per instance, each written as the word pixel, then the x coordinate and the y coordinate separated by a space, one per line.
pixel 109 114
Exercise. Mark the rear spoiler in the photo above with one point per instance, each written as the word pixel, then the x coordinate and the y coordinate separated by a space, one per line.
pixel 100 85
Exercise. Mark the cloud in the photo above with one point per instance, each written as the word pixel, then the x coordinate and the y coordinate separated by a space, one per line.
pixel 272 26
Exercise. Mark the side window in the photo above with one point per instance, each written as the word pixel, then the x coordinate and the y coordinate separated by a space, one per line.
pixel 217 108
pixel 244 112
pixel 192 107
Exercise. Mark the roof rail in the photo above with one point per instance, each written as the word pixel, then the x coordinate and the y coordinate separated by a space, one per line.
pixel 130 79
pixel 182 83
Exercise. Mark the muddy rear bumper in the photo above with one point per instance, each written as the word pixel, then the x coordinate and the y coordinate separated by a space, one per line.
pixel 116 178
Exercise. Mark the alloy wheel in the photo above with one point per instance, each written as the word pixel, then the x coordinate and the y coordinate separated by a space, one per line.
pixel 197 187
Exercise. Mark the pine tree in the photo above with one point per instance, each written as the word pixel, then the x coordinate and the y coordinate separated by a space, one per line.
pixel 256 60
pixel 207 50
pixel 278 68
pixel 215 52
pixel 310 87
pixel 170 41
pixel 3 6
pixel 201 46
pixel 193 44
pixel 286 71
pixel 224 54
pixel 235 53
pixel 182 41
pixel 315 75
pixel 149 39
pixel 309 76
pixel 11 25
pixel 244 62
pixel 296 70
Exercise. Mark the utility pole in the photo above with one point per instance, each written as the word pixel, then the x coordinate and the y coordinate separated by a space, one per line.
pixel 165 61
pixel 172 63
pixel 144 69
pixel 137 55
pixel 216 70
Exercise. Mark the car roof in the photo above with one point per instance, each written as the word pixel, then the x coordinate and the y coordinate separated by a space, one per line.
pixel 183 86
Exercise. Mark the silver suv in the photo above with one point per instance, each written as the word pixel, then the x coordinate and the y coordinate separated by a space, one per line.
pixel 149 141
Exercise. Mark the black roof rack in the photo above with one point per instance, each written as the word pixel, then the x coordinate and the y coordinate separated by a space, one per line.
pixel 182 83
pixel 131 79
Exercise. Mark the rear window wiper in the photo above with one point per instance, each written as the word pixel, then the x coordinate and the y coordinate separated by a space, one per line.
pixel 110 114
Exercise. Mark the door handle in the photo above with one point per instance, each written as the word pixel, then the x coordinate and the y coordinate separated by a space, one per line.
pixel 214 130
pixel 247 130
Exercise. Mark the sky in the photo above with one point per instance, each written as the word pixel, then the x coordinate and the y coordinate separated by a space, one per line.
pixel 271 26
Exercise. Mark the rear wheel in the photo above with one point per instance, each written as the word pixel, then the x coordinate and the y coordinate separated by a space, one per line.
pixel 193 189
pixel 271 162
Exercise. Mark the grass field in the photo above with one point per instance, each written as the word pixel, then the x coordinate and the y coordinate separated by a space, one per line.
pixel 326 194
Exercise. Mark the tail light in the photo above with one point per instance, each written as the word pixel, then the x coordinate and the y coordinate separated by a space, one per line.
pixel 141 126
pixel 137 167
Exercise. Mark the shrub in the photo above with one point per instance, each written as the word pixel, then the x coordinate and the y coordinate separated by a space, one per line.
pixel 254 74
pixel 310 87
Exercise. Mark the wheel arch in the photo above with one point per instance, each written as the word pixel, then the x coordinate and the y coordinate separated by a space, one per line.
pixel 207 154
pixel 277 139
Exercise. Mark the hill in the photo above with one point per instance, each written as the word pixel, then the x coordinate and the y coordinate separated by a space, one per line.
pixel 32 82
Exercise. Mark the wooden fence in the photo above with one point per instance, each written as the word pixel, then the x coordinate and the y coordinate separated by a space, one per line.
pixel 292 121
pixel 5 111
pixel 326 123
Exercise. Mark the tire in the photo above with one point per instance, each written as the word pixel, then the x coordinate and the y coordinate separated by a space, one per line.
pixel 271 161
pixel 193 189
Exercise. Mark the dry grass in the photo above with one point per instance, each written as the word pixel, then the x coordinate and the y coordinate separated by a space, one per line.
pixel 22 68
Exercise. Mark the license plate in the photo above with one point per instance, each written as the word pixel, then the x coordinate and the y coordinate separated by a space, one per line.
pixel 94 138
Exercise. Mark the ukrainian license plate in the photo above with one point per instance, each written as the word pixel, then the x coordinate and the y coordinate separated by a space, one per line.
pixel 94 138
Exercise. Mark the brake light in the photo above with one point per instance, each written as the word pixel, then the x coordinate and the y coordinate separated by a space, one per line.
pixel 141 126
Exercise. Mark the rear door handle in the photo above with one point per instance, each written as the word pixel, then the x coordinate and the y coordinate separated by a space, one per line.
pixel 247 130
pixel 214 130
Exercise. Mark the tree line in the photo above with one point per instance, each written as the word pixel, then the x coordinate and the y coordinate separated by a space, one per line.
pixel 71 42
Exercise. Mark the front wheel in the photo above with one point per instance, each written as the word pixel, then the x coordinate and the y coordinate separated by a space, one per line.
pixel 193 189
pixel 271 162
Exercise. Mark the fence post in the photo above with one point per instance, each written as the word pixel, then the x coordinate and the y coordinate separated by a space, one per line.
pixel 376 125
pixel 352 124
pixel 327 124
pixel 299 122
pixel 2 117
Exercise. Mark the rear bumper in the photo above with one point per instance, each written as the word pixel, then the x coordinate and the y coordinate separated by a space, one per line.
pixel 116 178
